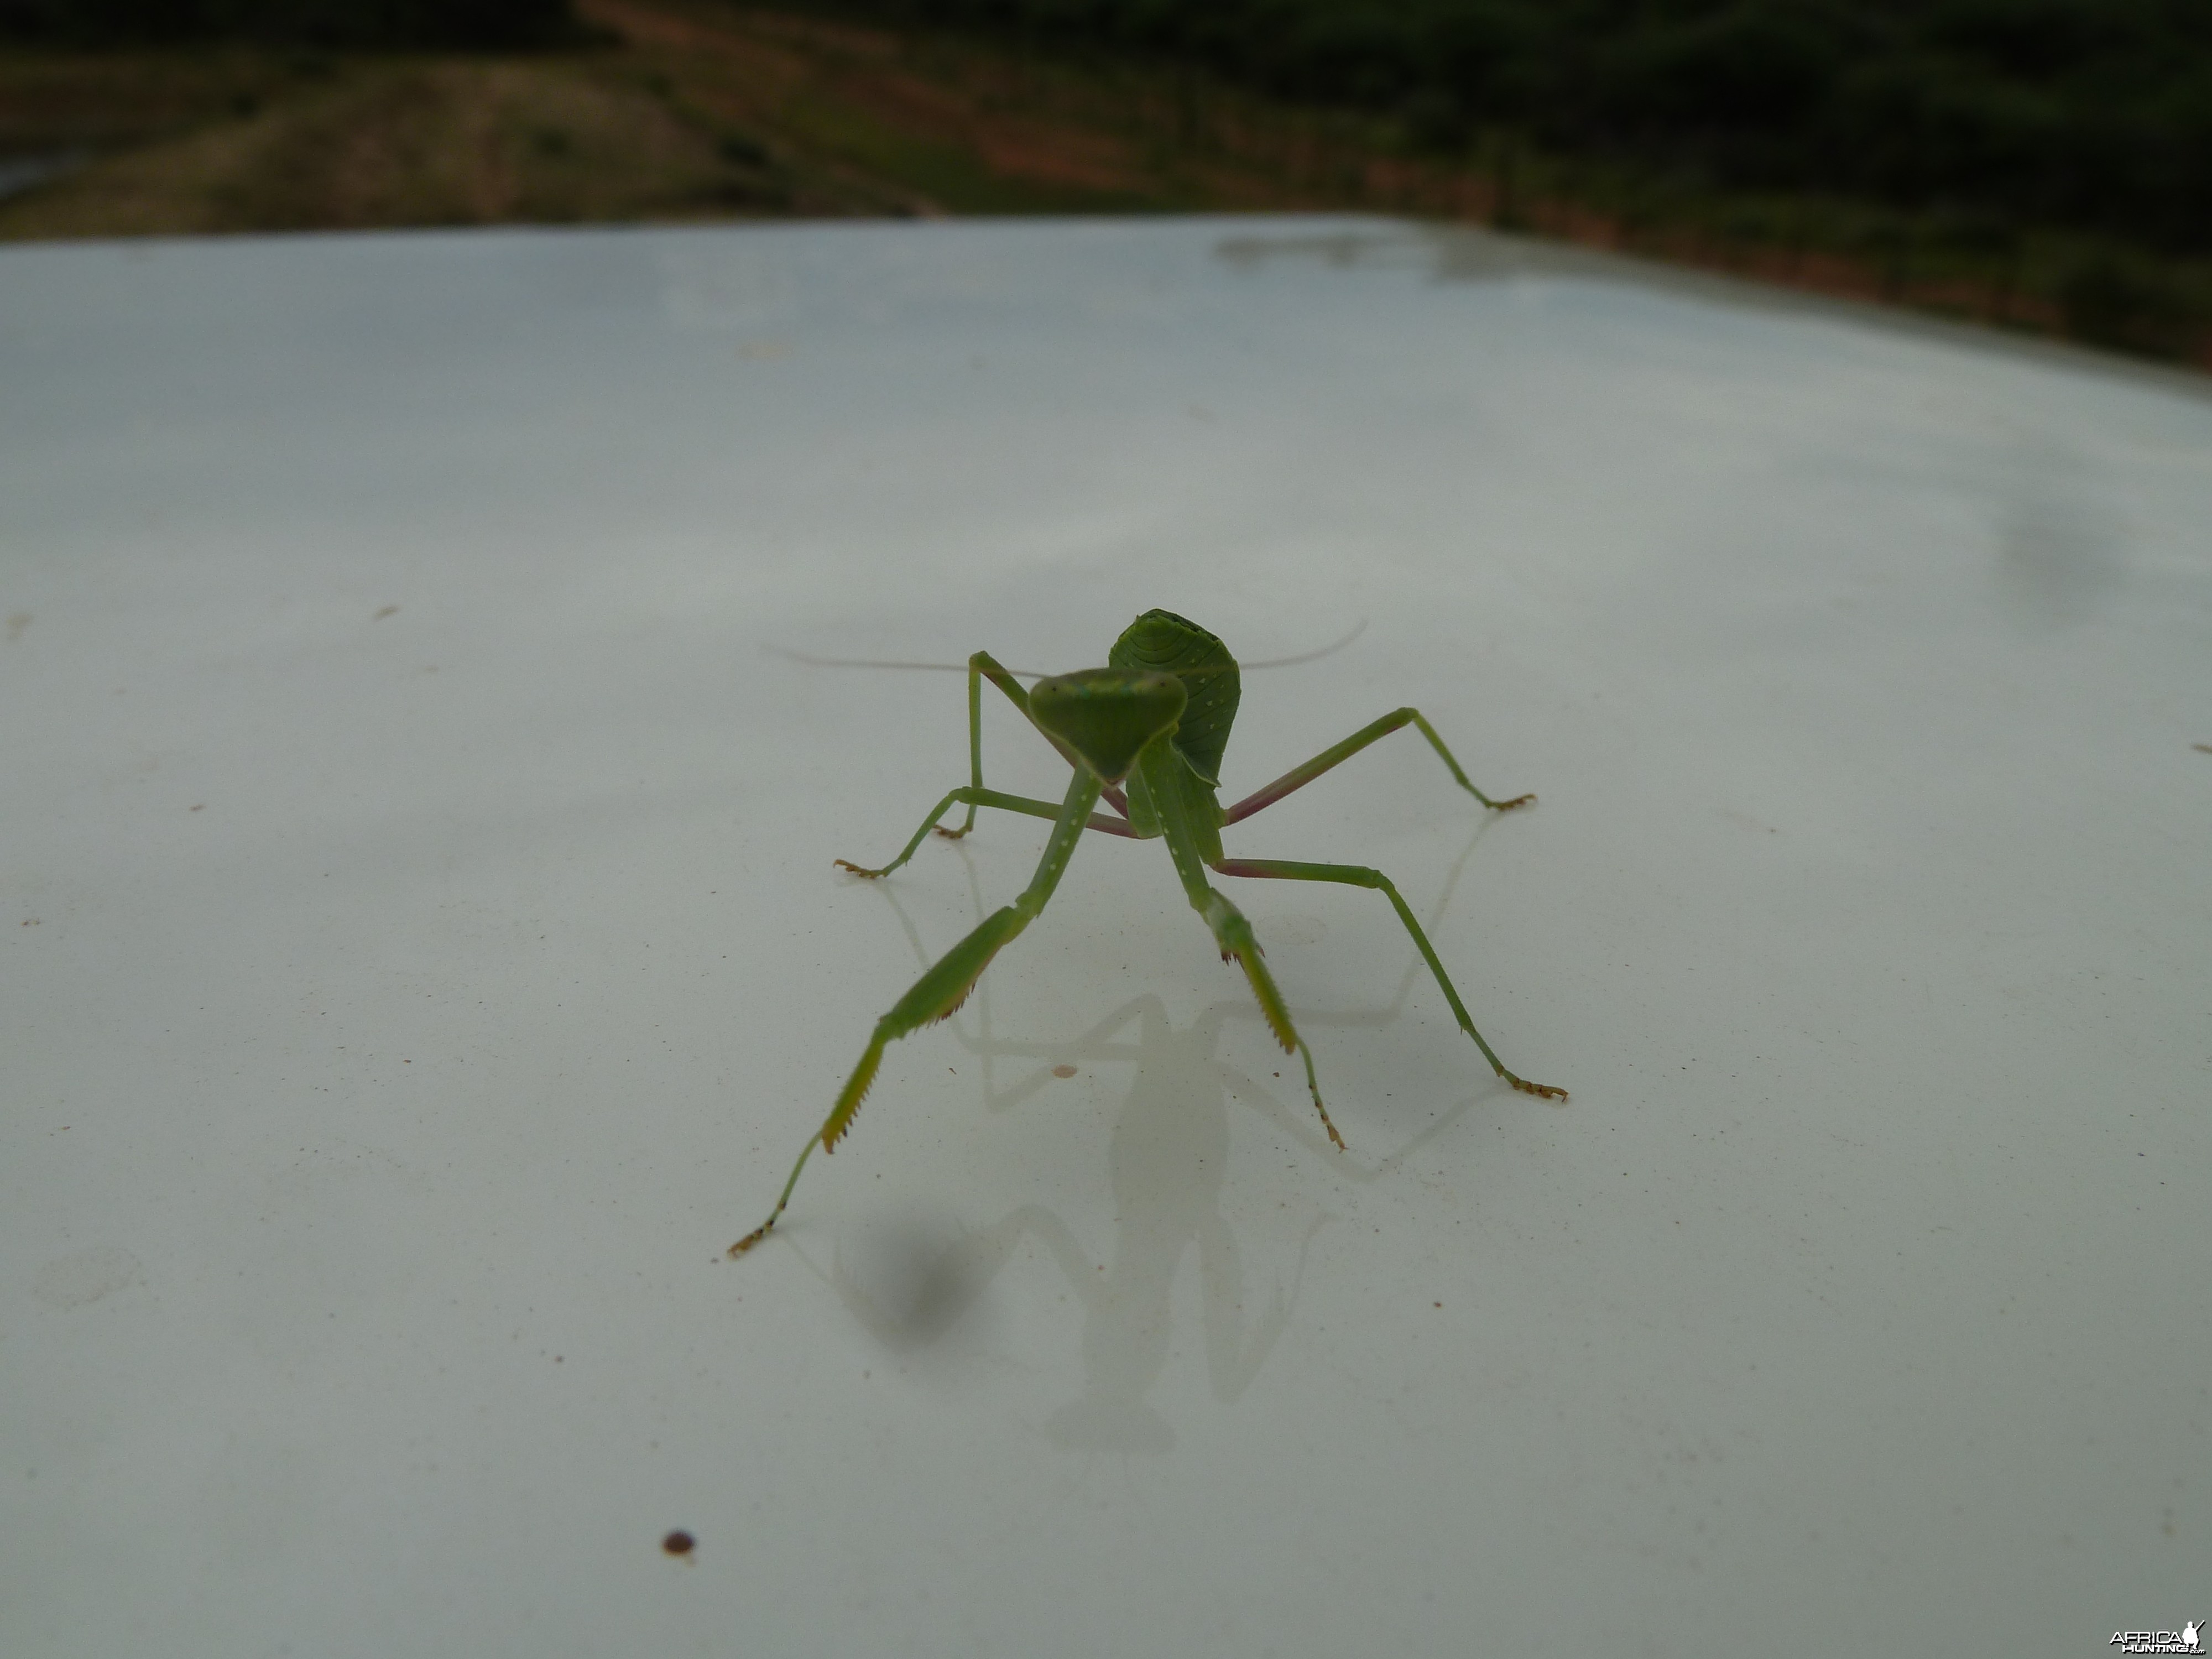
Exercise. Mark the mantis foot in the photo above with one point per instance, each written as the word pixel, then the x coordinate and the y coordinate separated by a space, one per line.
pixel 1528 1088
pixel 1518 800
pixel 847 864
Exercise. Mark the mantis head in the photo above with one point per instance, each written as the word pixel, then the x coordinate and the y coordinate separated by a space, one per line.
pixel 1107 715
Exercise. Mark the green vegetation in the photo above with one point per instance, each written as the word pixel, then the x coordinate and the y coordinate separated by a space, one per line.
pixel 2041 165
pixel 2061 147
pixel 354 25
pixel 2090 112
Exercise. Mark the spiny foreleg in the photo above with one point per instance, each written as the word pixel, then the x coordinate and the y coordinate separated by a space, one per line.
pixel 1233 934
pixel 940 991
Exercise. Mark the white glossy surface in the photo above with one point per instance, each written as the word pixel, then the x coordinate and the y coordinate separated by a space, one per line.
pixel 406 1005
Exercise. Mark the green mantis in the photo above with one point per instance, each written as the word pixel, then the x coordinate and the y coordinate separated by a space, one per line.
pixel 1145 734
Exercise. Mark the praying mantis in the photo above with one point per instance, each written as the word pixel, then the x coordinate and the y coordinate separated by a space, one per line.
pixel 1145 734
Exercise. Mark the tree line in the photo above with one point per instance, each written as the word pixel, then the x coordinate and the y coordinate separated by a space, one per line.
pixel 329 25
pixel 2061 149
pixel 2090 114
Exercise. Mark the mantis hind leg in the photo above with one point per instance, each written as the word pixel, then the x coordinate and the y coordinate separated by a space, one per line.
pixel 1352 875
pixel 1233 934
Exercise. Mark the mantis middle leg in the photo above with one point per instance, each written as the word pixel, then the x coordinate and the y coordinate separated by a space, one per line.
pixel 1299 777
pixel 1353 875
pixel 977 796
pixel 981 666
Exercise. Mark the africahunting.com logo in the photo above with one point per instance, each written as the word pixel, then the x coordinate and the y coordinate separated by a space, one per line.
pixel 2189 1638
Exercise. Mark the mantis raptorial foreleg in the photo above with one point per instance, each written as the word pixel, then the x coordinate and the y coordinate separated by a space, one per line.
pixel 946 986
pixel 1233 934
pixel 1187 845
pixel 1299 777
pixel 1353 875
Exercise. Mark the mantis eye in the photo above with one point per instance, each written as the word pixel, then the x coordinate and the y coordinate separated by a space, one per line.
pixel 1107 715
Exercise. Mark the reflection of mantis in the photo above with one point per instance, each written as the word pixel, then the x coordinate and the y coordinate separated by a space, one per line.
pixel 1168 1162
pixel 1157 719
pixel 1168 1159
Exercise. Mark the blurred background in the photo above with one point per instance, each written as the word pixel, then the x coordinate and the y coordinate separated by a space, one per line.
pixel 2035 165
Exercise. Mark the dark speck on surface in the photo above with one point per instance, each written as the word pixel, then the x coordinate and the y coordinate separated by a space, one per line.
pixel 679 1543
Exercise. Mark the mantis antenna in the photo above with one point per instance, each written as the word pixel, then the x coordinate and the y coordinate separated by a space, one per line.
pixel 813 661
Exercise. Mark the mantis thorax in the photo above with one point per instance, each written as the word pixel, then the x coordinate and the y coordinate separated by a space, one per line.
pixel 1164 643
